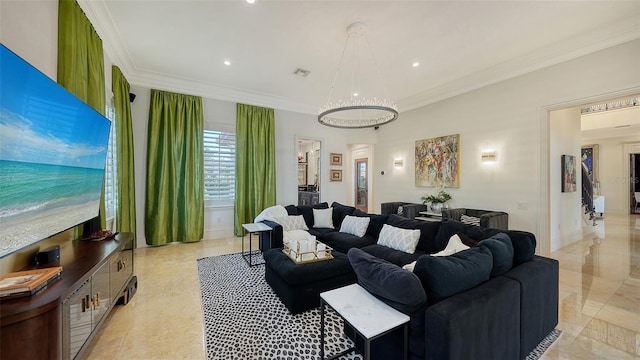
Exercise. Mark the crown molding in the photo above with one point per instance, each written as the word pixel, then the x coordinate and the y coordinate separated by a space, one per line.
pixel 584 44
pixel 193 87
pixel 608 36
pixel 101 19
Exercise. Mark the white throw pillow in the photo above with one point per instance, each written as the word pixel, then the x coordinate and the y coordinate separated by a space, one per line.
pixel 453 246
pixel 323 218
pixel 355 225
pixel 292 222
pixel 399 239
pixel 271 213
pixel 469 220
pixel 410 266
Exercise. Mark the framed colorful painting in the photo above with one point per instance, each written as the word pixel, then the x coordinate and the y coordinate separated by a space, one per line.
pixel 569 173
pixel 438 161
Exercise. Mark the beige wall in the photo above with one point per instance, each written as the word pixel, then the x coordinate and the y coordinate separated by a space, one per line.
pixel 510 117
pixel 565 211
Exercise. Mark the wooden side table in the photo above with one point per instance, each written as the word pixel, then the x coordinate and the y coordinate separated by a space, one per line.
pixel 369 316
pixel 253 228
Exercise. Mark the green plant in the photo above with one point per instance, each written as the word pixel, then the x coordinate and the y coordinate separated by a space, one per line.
pixel 441 198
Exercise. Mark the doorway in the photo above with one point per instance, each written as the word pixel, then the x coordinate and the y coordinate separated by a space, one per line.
pixel 362 190
pixel 634 176
pixel 308 162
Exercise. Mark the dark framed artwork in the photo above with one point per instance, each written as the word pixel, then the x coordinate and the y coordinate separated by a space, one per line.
pixel 589 160
pixel 569 173
pixel 336 159
pixel 336 175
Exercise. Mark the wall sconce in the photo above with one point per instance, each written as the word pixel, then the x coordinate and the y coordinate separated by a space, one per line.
pixel 398 163
pixel 488 156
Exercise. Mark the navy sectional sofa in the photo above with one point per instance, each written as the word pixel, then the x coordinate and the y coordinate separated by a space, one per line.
pixel 503 317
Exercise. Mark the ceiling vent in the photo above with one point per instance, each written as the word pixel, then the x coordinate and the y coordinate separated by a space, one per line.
pixel 301 72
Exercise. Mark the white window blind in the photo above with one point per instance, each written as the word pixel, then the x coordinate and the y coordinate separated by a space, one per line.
pixel 110 187
pixel 219 166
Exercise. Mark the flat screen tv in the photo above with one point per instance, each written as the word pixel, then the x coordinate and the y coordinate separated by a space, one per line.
pixel 53 149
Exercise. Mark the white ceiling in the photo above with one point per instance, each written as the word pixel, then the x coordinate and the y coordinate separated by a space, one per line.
pixel 180 45
pixel 613 123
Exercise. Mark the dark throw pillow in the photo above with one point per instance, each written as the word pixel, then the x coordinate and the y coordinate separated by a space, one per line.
pixel 444 276
pixel 502 250
pixel 524 244
pixel 340 212
pixel 398 288
pixel 448 228
pixel 476 233
pixel 292 209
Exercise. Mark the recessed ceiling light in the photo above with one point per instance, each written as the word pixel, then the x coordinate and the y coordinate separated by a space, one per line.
pixel 415 64
pixel 227 62
pixel 251 1
pixel 355 94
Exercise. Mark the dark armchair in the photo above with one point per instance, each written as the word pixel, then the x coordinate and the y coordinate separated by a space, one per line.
pixel 488 218
pixel 408 210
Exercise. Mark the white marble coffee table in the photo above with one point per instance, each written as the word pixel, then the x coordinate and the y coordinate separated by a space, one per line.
pixel 370 317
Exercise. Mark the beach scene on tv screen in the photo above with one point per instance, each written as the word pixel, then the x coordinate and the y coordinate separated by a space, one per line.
pixel 52 156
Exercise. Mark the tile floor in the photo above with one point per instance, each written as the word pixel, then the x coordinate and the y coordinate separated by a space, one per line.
pixel 599 299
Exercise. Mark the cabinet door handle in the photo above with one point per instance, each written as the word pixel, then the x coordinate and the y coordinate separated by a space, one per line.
pixel 84 305
pixel 96 301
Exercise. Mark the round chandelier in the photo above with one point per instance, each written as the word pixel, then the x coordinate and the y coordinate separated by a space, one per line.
pixel 357 108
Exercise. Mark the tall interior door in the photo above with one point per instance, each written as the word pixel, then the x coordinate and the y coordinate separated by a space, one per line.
pixel 634 175
pixel 362 191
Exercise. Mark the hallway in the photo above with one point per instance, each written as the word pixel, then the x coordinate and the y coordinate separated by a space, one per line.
pixel 600 292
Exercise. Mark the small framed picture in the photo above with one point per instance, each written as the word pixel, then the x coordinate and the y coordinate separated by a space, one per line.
pixel 336 175
pixel 336 159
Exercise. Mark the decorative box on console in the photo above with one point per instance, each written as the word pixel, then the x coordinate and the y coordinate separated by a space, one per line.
pixel 307 251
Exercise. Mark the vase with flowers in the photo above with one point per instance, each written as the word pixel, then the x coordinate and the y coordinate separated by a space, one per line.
pixel 437 201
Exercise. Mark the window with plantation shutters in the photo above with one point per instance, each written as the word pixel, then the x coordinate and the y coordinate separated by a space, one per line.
pixel 219 166
pixel 110 167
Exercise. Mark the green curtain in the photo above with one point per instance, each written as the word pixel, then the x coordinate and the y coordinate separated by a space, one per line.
pixel 81 63
pixel 125 171
pixel 174 208
pixel 255 163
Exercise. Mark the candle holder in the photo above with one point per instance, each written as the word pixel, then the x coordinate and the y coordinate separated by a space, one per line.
pixel 300 253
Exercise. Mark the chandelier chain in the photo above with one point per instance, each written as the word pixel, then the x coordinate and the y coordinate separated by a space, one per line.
pixel 335 77
pixel 375 65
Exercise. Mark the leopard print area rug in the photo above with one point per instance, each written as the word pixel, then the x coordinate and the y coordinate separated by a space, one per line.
pixel 244 318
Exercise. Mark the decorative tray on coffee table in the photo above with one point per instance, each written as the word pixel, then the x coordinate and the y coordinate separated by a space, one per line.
pixel 320 253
